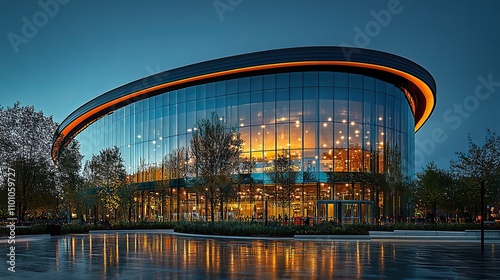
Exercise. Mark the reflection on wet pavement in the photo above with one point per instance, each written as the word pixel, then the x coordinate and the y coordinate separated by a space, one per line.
pixel 165 256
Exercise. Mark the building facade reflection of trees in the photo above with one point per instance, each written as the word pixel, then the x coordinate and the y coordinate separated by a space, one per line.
pixel 328 122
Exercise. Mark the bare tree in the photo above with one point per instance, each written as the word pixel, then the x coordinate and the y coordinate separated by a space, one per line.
pixel 216 149
pixel 284 176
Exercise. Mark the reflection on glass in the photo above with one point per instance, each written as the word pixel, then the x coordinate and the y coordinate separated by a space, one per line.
pixel 328 121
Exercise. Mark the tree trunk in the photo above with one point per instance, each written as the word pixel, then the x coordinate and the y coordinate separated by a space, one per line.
pixel 130 212
pixel 212 214
pixel 222 209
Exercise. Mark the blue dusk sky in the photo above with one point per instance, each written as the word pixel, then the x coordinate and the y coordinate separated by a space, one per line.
pixel 59 54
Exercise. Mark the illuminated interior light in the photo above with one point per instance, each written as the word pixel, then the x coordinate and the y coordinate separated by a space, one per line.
pixel 139 136
pixel 353 123
pixel 329 119
pixel 380 118
pixel 325 124
pixel 356 131
pixel 344 121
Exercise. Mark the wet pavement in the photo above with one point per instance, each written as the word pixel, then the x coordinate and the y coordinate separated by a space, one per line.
pixel 166 256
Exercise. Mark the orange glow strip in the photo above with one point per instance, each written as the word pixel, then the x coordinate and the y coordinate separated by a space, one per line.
pixel 428 95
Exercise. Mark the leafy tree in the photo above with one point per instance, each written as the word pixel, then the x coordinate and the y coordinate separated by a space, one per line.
pixel 25 145
pixel 284 176
pixel 432 185
pixel 479 164
pixel 106 174
pixel 70 178
pixel 126 195
pixel 216 150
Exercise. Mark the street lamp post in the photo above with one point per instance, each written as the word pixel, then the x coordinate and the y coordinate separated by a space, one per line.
pixel 483 214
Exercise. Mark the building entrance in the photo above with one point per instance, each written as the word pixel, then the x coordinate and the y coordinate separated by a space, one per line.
pixel 345 211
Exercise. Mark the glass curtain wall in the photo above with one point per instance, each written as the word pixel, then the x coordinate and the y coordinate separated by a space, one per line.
pixel 327 122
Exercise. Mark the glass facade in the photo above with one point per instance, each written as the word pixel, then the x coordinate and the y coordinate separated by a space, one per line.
pixel 326 121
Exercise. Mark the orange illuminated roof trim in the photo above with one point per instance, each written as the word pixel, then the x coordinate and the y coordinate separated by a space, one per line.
pixel 424 88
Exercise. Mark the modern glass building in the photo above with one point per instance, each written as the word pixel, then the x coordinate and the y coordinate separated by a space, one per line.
pixel 346 117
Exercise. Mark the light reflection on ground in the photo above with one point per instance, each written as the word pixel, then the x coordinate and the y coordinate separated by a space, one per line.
pixel 166 256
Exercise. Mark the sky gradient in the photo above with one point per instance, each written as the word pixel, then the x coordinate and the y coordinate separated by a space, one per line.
pixel 59 54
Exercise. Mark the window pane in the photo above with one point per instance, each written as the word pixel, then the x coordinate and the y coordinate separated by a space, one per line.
pixel 340 104
pixel 310 135
pixel 244 84
pixel 231 87
pixel 341 79
pixel 282 80
pixel 190 93
pixel 310 79
pixel 201 91
pixel 269 137
pixel 296 79
pixel 355 81
pixel 210 90
pixel 369 83
pixel 355 105
pixel 181 95
pixel 256 83
pixel 269 81
pixel 295 136
pixel 325 104
pixel 269 113
pixel 257 114
pixel 282 132
pixel 326 79
pixel 310 103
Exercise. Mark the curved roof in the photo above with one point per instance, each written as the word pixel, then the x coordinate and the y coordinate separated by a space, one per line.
pixel 417 83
